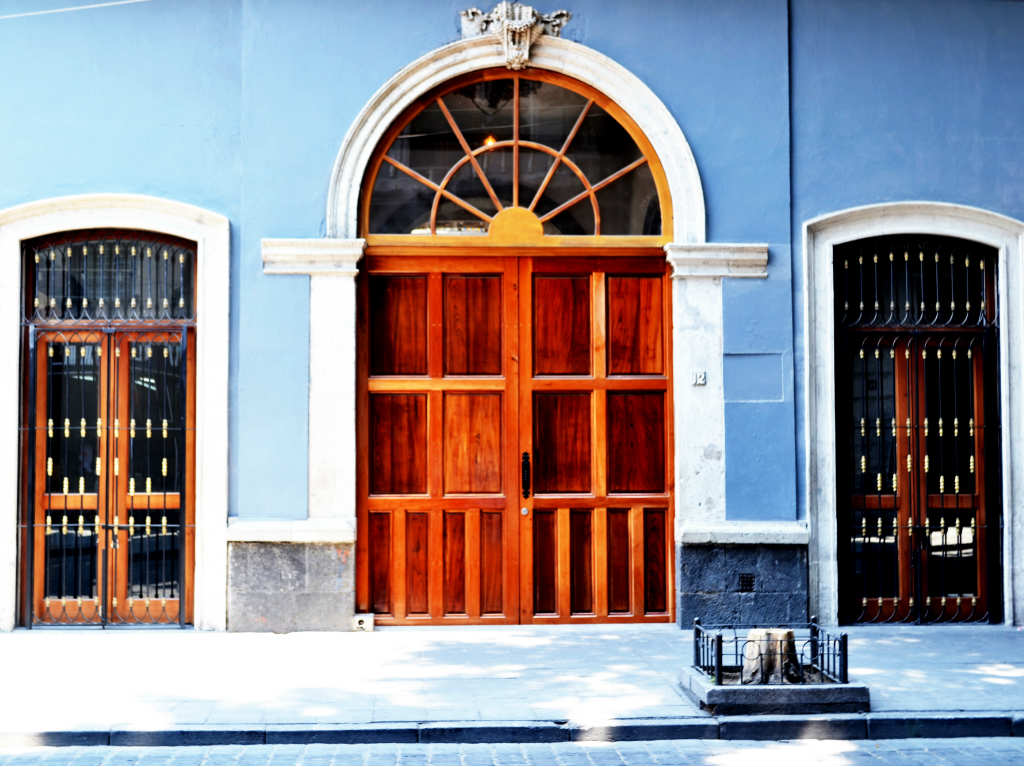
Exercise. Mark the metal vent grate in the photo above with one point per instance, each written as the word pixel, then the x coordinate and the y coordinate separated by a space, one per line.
pixel 746 582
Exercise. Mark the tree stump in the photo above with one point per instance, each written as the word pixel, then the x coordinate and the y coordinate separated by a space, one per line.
pixel 769 656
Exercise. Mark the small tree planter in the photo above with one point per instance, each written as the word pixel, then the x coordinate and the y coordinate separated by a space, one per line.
pixel 792 669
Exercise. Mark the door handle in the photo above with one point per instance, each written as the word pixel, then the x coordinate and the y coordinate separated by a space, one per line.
pixel 526 475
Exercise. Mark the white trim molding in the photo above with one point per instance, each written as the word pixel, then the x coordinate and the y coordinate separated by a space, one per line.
pixel 211 233
pixel 552 53
pixel 820 236
pixel 332 265
pixel 697 335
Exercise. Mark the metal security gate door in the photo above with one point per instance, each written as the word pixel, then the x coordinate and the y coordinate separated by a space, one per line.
pixel 917 430
pixel 108 522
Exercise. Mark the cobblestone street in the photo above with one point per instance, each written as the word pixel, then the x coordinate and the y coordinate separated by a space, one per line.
pixel 952 751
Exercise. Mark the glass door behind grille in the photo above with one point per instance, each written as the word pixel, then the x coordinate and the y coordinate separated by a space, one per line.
pixel 111 531
pixel 916 385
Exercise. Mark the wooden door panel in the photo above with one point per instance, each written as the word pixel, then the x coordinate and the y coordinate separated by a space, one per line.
pixel 398 443
pixel 435 544
pixel 597 542
pixel 561 442
pixel 636 442
pixel 635 326
pixel 472 442
pixel 472 324
pixel 561 325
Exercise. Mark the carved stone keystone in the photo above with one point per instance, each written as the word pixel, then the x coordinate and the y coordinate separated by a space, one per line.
pixel 517 26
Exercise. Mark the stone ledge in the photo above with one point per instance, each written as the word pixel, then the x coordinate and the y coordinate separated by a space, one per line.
pixel 291 530
pixel 730 700
pixel 770 533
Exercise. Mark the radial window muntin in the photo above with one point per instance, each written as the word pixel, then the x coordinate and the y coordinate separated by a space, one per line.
pixel 533 215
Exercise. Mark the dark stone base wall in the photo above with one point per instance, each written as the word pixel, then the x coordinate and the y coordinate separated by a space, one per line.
pixel 710 587
pixel 291 586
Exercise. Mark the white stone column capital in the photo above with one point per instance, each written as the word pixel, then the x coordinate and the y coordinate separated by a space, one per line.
pixel 717 259
pixel 312 256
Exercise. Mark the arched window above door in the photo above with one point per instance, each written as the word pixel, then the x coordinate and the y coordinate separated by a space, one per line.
pixel 514 156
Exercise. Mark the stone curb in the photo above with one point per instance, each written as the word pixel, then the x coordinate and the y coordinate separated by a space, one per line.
pixel 878 726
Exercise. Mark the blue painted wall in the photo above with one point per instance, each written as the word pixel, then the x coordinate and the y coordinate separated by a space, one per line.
pixel 904 100
pixel 240 106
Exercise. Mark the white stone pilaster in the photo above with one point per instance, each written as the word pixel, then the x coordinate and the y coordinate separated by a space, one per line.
pixel 697 337
pixel 332 267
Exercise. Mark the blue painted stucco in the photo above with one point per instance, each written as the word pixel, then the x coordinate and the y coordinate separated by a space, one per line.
pixel 791 110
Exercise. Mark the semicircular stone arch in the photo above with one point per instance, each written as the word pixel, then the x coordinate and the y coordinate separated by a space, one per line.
pixel 685 220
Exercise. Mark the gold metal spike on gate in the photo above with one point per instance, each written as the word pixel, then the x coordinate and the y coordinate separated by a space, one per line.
pixel 133 250
pixel 49 428
pixel 49 524
pixel 924 352
pixel 862 351
pixel 163 467
pixel 67 428
pixel 970 425
pixel 81 525
pixel 894 484
pixel 879 527
pixel 67 303
pixel 863 464
pixel 981 265
pixel 894 427
pixel 974 601
pixel 926 427
pixel 149 428
pixel 81 485
pixel 956 486
pixel 64 486
pixel 863 427
pixel 49 466
pixel 876 350
pixel 972 464
pixel 910 462
pixel 149 352
pixel 148 524
pixel 64 525
pixel 875 260
pixel 131 486
pixel 117 466
pixel 165 428
pixel 131 427
pixel 81 428
pixel 926 463
pixel 149 485
pixel 864 602
pixel 940 426
pixel 956 427
pixel 942 484
pixel 167 352
pixel 134 351
pixel 166 303
pixel 164 254
pixel 131 525
pixel 99 426
pixel 181 302
pixel 938 353
pixel 117 426
pixel 117 305
pixel 149 302
pixel 163 525
pixel 878 481
pixel 99 467
pixel 878 427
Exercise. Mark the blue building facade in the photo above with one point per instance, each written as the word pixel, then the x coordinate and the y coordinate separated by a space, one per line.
pixel 787 130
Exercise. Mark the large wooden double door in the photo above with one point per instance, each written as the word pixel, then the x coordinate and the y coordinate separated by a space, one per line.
pixel 514 439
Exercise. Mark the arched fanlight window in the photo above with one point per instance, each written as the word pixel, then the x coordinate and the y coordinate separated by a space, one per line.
pixel 538 152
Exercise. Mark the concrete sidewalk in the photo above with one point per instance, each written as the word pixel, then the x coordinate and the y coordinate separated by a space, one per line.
pixel 607 681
